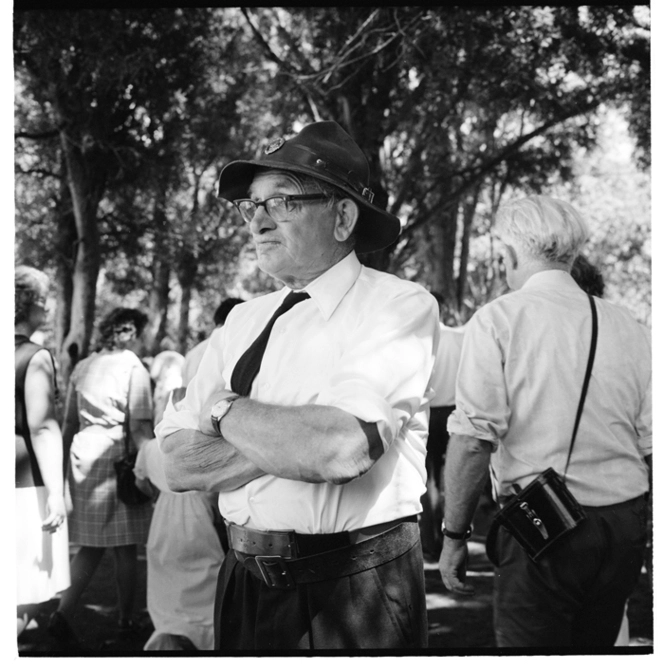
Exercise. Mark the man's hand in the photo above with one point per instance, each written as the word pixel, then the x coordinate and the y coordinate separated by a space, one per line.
pixel 452 566
pixel 204 422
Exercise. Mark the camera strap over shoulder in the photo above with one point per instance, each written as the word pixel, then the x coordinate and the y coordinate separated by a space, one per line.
pixel 586 380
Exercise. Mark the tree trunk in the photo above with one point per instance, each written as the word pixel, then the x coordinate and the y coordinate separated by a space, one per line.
pixel 469 206
pixel 85 194
pixel 443 244
pixel 64 256
pixel 186 274
pixel 161 274
pixel 158 305
pixel 183 323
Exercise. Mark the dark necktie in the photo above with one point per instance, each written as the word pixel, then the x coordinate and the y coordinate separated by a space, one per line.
pixel 247 366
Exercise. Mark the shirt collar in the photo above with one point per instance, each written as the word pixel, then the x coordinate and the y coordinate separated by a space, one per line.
pixel 551 278
pixel 329 288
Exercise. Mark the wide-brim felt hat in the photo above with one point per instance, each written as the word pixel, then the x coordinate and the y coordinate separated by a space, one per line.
pixel 325 151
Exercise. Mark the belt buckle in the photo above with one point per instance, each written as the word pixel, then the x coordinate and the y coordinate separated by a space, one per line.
pixel 274 570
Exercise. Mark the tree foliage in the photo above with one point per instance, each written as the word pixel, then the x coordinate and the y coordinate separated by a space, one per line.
pixel 124 119
pixel 119 89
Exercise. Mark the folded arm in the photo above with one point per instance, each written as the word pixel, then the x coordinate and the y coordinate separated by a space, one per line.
pixel 373 393
pixel 197 461
pixel 307 443
pixel 310 443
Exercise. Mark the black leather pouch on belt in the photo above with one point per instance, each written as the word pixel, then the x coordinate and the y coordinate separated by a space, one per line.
pixel 284 573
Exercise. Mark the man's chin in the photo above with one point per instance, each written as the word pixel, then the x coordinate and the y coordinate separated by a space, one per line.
pixel 268 265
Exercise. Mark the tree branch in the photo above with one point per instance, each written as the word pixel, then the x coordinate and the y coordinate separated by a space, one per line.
pixel 263 44
pixel 39 172
pixel 47 134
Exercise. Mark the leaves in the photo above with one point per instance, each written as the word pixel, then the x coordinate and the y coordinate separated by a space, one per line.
pixel 456 108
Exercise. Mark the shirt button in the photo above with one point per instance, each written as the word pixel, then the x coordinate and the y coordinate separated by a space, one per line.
pixel 267 386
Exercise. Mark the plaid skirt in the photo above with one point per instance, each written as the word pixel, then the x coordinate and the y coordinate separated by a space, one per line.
pixel 98 517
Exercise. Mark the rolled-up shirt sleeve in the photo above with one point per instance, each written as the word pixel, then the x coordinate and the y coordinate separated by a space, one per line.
pixel 482 409
pixel 383 377
pixel 207 380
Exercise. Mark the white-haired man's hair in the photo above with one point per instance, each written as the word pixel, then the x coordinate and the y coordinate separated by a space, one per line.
pixel 543 227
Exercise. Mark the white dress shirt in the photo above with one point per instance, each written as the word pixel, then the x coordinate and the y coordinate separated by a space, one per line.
pixel 522 367
pixel 192 361
pixel 445 370
pixel 364 343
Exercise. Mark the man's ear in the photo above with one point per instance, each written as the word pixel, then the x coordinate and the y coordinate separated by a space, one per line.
pixel 511 252
pixel 346 219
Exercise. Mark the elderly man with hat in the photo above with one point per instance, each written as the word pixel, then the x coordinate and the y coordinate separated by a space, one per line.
pixel 309 414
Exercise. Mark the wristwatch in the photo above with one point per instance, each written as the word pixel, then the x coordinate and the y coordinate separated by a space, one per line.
pixel 460 536
pixel 219 410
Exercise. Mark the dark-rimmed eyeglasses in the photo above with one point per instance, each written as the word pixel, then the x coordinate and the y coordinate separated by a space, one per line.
pixel 278 207
pixel 124 328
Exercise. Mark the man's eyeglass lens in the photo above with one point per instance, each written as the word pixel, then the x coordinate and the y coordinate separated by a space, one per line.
pixel 278 207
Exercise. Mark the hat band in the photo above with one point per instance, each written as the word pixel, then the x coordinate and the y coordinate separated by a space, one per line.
pixel 309 159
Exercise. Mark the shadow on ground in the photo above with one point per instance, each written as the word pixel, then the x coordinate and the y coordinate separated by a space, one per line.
pixel 458 623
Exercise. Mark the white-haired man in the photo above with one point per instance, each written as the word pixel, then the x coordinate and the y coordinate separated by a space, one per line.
pixel 520 378
pixel 314 431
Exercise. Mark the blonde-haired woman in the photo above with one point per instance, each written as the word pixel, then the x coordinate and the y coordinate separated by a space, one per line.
pixel 42 548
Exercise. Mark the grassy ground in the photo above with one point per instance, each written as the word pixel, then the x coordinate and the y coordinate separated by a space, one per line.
pixel 454 623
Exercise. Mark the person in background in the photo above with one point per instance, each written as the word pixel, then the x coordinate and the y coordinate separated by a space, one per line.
pixel 193 359
pixel 102 388
pixel 166 375
pixel 309 414
pixel 443 381
pixel 587 276
pixel 520 378
pixel 42 546
pixel 184 553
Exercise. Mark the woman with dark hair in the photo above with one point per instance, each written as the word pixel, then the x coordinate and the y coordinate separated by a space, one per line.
pixel 42 549
pixel 102 388
pixel 587 276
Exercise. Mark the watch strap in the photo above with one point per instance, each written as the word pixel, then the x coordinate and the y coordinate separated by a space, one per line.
pixel 216 420
pixel 460 536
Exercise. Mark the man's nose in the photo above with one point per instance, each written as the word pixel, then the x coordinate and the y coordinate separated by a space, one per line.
pixel 261 222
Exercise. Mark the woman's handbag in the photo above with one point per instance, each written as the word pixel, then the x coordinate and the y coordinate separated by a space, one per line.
pixel 128 492
pixel 545 510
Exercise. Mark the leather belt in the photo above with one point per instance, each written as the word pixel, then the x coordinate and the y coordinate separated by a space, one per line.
pixel 277 557
pixel 290 545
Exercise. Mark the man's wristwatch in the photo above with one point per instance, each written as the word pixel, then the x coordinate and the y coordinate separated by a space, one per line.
pixel 460 536
pixel 219 410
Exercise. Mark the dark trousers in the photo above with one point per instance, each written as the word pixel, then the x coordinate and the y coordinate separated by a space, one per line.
pixel 574 596
pixel 383 607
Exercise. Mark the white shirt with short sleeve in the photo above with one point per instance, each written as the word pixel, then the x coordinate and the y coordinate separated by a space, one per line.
pixel 522 367
pixel 365 343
